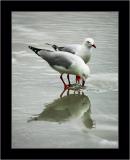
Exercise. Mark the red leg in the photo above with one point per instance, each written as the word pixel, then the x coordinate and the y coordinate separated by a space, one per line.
pixel 78 79
pixel 65 85
pixel 68 79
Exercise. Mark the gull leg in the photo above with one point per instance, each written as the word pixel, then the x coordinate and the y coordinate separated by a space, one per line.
pixel 83 82
pixel 65 85
pixel 78 79
pixel 68 79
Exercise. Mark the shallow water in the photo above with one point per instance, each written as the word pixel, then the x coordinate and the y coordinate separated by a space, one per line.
pixel 40 117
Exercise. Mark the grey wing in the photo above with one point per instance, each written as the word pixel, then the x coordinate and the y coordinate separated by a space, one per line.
pixel 70 48
pixel 61 61
pixel 55 58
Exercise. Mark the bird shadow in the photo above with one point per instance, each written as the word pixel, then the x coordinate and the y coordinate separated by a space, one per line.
pixel 66 108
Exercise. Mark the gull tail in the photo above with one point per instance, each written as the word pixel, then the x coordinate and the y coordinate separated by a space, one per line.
pixel 36 50
pixel 55 47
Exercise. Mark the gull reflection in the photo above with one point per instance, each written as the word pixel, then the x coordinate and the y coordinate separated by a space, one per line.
pixel 66 108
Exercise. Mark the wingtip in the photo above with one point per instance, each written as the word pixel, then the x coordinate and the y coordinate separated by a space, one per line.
pixel 36 50
pixel 30 47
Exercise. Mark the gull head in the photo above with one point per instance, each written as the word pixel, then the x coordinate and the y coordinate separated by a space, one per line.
pixel 89 42
pixel 85 72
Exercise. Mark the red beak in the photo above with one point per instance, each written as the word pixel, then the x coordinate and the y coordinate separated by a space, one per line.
pixel 94 45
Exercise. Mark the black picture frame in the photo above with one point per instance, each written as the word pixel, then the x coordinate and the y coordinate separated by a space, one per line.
pixel 123 8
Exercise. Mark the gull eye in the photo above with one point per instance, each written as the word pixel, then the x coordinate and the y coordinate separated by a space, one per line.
pixel 88 41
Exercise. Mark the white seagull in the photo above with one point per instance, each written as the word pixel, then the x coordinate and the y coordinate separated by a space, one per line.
pixel 84 50
pixel 64 62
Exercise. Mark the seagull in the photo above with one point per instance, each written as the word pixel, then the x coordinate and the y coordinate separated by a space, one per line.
pixel 84 50
pixel 64 62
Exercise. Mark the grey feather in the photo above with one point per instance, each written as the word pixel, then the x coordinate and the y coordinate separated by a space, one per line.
pixel 73 48
pixel 54 58
pixel 67 48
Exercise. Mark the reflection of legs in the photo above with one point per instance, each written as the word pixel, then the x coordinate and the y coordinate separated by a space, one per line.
pixel 78 91
pixel 68 79
pixel 62 93
pixel 65 85
pixel 68 92
pixel 82 93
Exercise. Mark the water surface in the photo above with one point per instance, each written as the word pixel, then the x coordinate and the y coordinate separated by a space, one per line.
pixel 40 117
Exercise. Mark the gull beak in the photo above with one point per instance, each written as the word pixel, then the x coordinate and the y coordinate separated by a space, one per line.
pixel 94 45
